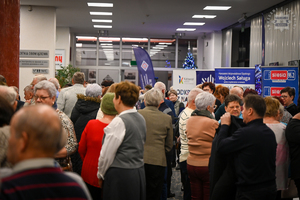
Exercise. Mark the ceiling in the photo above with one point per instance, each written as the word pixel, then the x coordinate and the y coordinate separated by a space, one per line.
pixel 150 18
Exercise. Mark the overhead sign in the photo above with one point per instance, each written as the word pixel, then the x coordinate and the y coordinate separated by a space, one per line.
pixel 40 71
pixel 59 58
pixel 184 80
pixel 205 76
pixel 34 54
pixel 34 63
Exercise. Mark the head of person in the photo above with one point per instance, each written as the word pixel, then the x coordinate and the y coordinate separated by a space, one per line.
pixel 107 104
pixel 272 107
pixel 287 95
pixel 10 95
pixel 93 90
pixel 249 91
pixel 148 87
pixel 28 92
pixel 192 96
pixel 106 83
pixel 233 104
pixel 44 93
pixel 217 91
pixel 55 82
pixel 223 92
pixel 2 80
pixel 35 132
pixel 153 97
pixel 37 79
pixel 6 111
pixel 237 91
pixel 254 108
pixel 205 101
pixel 126 95
pixel 208 87
pixel 78 78
pixel 112 88
pixel 172 94
pixel 160 86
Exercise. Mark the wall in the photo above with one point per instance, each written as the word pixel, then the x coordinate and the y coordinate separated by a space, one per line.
pixel 63 42
pixel 37 32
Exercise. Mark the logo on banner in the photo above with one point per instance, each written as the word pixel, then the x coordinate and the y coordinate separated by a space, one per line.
pixel 280 75
pixel 144 65
pixel 272 91
pixel 282 20
pixel 180 80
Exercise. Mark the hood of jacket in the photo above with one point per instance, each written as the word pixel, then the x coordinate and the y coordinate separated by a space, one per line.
pixel 87 104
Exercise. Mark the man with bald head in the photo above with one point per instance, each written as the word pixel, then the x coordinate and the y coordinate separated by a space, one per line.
pixel 36 136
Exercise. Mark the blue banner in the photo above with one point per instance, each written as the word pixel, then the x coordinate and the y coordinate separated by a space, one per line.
pixel 145 67
pixel 263 41
pixel 274 79
pixel 205 76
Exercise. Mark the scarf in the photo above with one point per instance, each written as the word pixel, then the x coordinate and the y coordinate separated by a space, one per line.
pixel 204 113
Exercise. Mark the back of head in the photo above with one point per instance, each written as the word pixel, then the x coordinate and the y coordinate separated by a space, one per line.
pixel 93 90
pixel 6 111
pixel 148 87
pixel 192 94
pixel 2 79
pixel 272 107
pixel 237 91
pixel 257 103
pixel 55 82
pixel 153 97
pixel 78 78
pixel 107 104
pixel 8 93
pixel 40 77
pixel 224 91
pixel 232 98
pixel 204 99
pixel 43 127
pixel 107 81
pixel 160 86
pixel 112 88
pixel 249 91
pixel 128 92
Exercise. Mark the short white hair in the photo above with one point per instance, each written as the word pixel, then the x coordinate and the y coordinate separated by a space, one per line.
pixel 153 97
pixel 160 86
pixel 93 90
pixel 55 82
pixel 203 100
pixel 193 93
pixel 8 93
pixel 46 85
pixel 28 88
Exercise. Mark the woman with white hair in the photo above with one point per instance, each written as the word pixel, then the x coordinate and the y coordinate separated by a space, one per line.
pixel 45 93
pixel 200 130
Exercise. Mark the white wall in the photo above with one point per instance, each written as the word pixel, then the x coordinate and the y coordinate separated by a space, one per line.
pixel 63 42
pixel 37 32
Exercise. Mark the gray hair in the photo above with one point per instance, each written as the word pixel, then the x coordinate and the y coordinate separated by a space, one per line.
pixel 193 93
pixel 40 77
pixel 78 78
pixel 153 97
pixel 28 88
pixel 8 93
pixel 203 100
pixel 93 90
pixel 55 82
pixel 46 85
pixel 160 86
pixel 281 109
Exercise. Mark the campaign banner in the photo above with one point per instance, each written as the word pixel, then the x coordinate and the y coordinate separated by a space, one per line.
pixel 274 79
pixel 184 80
pixel 145 67
pixel 205 76
pixel 230 77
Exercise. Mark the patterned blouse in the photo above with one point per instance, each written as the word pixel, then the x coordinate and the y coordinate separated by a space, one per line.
pixel 71 144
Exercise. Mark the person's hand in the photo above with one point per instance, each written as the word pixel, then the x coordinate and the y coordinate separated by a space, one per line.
pixel 100 181
pixel 226 119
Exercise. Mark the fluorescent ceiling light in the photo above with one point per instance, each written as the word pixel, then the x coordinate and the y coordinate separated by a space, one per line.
pixel 157 47
pixel 217 8
pixel 100 4
pixel 204 16
pixel 160 45
pixel 185 29
pixel 145 39
pixel 100 13
pixel 165 43
pixel 102 26
pixel 106 41
pixel 153 50
pixel 102 20
pixel 78 44
pixel 194 23
pixel 106 44
pixel 86 37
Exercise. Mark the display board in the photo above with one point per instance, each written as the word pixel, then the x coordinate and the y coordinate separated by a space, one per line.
pixel 205 76
pixel 183 82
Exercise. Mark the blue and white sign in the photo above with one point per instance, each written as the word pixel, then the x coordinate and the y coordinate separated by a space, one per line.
pixel 184 80
pixel 274 79
pixel 230 77
pixel 205 76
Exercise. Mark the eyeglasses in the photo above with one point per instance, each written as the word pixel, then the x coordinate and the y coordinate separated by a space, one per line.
pixel 215 106
pixel 284 97
pixel 41 98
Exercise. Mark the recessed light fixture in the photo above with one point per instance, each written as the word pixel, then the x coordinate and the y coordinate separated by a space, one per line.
pixel 217 8
pixel 165 43
pixel 157 47
pixel 194 23
pixel 106 44
pixel 161 45
pixel 102 20
pixel 100 13
pixel 78 44
pixel 100 4
pixel 102 26
pixel 185 29
pixel 204 16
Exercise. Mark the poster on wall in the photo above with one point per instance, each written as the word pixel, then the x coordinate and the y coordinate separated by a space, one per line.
pixel 59 58
pixel 274 79
pixel 183 82
pixel 230 77
pixel 205 76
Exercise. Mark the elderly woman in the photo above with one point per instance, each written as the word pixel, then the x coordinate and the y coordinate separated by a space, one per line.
pixel 159 141
pixel 178 106
pixel 45 93
pixel 91 143
pixel 271 119
pixel 121 156
pixel 200 130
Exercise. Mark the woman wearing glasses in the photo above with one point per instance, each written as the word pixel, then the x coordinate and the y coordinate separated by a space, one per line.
pixel 45 93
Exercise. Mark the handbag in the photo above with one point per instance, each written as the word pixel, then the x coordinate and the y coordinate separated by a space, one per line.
pixel 68 166
pixel 291 192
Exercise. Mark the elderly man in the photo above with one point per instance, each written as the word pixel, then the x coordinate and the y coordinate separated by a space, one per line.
pixel 233 105
pixel 31 150
pixel 38 78
pixel 67 97
pixel 10 95
pixel 159 141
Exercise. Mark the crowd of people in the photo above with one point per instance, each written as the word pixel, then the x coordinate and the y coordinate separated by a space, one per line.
pixel 117 141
